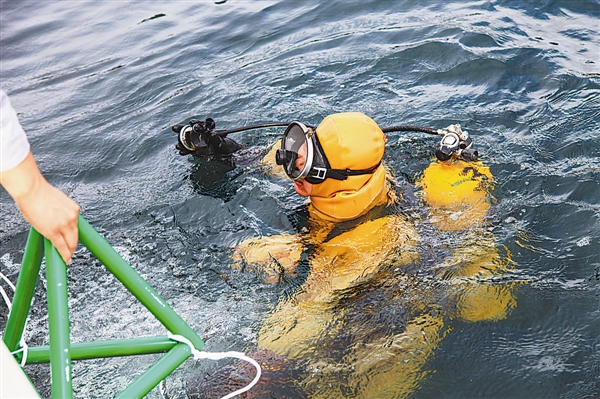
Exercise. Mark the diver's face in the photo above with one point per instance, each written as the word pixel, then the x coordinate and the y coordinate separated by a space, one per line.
pixel 302 187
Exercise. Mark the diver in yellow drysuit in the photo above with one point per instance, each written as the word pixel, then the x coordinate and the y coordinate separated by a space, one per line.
pixel 381 284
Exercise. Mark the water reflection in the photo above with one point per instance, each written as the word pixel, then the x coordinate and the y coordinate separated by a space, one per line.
pixel 521 77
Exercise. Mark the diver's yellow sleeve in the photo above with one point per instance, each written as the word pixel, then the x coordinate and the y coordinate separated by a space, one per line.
pixel 276 257
pixel 269 165
pixel 273 257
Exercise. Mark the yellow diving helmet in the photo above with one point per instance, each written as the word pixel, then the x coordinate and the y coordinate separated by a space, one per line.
pixel 342 159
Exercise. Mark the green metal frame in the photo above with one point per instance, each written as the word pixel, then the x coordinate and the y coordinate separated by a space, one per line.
pixel 61 352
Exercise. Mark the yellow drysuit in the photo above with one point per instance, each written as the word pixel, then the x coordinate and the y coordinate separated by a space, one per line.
pixel 374 304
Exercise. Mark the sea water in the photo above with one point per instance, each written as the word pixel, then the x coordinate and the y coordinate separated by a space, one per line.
pixel 97 86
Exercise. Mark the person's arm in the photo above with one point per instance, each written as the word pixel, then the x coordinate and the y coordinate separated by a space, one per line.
pixel 47 209
pixel 272 257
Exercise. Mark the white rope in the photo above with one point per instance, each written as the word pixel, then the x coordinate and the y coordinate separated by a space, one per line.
pixel 4 294
pixel 6 299
pixel 221 355
pixel 24 347
pixel 11 285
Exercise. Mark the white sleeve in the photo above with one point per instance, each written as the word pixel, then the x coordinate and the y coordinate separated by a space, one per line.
pixel 14 145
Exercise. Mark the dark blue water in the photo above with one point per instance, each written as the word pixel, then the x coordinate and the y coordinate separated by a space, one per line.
pixel 97 86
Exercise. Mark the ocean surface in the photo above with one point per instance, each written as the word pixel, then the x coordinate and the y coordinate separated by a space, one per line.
pixel 97 86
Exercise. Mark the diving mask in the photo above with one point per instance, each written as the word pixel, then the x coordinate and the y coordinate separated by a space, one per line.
pixel 303 158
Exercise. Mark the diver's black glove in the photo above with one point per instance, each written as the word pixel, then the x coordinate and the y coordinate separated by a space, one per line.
pixel 199 139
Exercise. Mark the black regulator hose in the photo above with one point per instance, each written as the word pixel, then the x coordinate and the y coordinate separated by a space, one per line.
pixel 222 132
pixel 396 128
pixel 410 128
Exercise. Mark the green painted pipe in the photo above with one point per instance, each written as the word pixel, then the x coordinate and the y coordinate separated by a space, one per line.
pixel 60 352
pixel 156 373
pixel 24 290
pixel 110 348
pixel 58 324
pixel 127 275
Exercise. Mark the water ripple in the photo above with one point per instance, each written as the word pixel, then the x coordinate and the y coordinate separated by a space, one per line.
pixel 98 85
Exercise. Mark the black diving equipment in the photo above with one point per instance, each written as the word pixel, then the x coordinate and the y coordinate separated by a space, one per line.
pixel 200 138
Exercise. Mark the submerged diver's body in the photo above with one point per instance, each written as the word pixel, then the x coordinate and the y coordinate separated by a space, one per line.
pixel 380 287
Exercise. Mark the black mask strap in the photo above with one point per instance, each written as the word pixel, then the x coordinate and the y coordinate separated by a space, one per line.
pixel 318 175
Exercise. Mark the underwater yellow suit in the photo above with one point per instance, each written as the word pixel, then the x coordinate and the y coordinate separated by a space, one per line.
pixel 375 301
